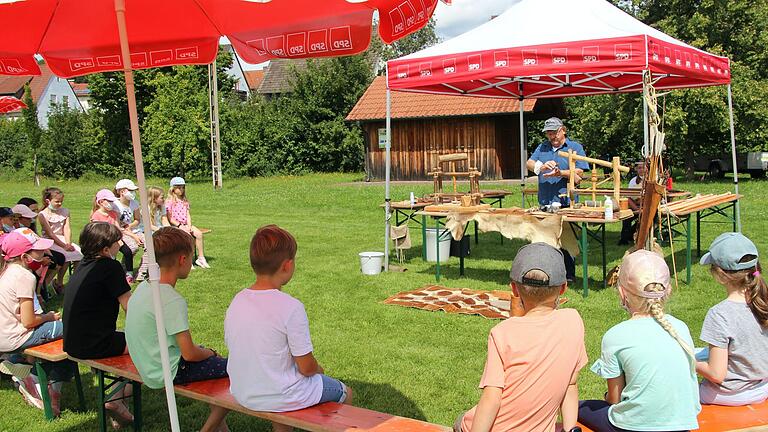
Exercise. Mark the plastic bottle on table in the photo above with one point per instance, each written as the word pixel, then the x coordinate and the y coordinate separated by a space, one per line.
pixel 608 208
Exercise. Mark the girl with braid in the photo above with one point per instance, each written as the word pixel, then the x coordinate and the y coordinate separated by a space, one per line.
pixel 736 329
pixel 647 360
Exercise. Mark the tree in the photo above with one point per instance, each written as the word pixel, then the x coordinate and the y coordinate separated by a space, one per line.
pixel 63 146
pixel 33 130
pixel 695 120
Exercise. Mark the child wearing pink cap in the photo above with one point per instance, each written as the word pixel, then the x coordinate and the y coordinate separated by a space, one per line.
pixel 20 326
pixel 103 211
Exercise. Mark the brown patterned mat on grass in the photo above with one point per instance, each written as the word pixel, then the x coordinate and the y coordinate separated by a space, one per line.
pixel 489 304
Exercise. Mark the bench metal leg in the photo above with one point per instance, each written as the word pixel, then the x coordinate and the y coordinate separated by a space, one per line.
pixel 79 386
pixel 102 401
pixel 42 378
pixel 437 249
pixel 423 237
pixel 688 250
pixel 584 260
pixel 136 406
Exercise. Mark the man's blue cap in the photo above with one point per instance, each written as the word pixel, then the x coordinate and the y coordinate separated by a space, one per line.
pixel 727 250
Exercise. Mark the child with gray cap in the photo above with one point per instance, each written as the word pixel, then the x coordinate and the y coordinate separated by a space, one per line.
pixel 533 360
pixel 736 329
pixel 647 360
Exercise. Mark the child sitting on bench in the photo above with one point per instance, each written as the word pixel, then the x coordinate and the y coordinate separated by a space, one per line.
pixel 533 360
pixel 647 360
pixel 271 365
pixel 189 362
pixel 736 329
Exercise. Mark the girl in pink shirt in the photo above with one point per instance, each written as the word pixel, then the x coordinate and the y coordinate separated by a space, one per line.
pixel 177 207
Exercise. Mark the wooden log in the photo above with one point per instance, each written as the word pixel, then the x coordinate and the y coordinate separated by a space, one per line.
pixel 453 157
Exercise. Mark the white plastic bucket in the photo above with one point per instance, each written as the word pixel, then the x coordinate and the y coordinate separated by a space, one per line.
pixel 445 245
pixel 371 262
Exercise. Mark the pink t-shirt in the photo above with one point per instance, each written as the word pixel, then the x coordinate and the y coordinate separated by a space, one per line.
pixel 177 210
pixel 110 217
pixel 532 359
pixel 16 283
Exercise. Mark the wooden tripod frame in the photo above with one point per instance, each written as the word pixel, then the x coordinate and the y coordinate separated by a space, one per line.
pixel 616 170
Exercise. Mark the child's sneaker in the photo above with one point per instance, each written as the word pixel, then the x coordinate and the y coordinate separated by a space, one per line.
pixel 129 278
pixel 55 400
pixel 28 389
pixel 202 262
pixel 18 370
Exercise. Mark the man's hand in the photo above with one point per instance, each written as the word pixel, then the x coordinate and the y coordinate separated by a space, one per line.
pixel 554 172
pixel 549 165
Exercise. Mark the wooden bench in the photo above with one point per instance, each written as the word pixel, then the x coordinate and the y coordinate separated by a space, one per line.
pixel 52 352
pixel 716 418
pixel 116 372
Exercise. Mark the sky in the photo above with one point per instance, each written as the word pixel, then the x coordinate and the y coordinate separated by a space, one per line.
pixel 453 20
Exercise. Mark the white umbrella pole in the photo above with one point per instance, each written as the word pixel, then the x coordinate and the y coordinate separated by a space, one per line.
pixel 523 156
pixel 733 156
pixel 154 270
pixel 388 167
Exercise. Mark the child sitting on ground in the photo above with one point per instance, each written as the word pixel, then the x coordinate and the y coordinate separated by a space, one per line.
pixel 189 362
pixel 533 360
pixel 103 211
pixel 736 329
pixel 647 360
pixel 271 365
pixel 55 224
pixel 177 207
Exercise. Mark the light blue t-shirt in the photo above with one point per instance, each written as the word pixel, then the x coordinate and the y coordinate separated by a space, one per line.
pixel 661 391
pixel 141 331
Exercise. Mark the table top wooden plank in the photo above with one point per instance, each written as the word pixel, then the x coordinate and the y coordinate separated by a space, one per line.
pixel 686 212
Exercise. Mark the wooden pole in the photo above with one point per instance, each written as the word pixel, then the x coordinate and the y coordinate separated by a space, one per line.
pixel 616 180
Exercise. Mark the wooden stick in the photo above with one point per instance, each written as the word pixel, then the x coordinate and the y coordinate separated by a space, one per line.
pixel 594 161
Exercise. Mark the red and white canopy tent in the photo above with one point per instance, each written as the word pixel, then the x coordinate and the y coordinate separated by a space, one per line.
pixel 122 35
pixel 557 48
pixel 10 104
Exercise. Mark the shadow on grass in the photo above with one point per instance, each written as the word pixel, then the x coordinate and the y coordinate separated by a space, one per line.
pixel 384 398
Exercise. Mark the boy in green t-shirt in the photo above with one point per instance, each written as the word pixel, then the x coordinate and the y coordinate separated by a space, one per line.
pixel 189 362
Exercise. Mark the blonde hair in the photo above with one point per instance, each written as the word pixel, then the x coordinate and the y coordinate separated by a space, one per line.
pixel 172 196
pixel 153 193
pixel 655 308
pixel 753 284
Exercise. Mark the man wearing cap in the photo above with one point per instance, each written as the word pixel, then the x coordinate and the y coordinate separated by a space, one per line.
pixel 553 172
pixel 552 168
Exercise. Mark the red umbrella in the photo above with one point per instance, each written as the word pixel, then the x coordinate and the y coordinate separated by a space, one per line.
pixel 10 104
pixel 79 37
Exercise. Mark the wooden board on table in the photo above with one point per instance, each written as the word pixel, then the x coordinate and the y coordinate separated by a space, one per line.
pixel 457 208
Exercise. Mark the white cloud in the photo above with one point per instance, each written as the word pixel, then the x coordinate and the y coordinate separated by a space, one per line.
pixel 464 15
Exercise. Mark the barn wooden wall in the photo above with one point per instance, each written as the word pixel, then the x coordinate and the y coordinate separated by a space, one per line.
pixel 491 141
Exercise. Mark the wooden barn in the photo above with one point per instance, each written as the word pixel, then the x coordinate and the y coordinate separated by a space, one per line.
pixel 427 125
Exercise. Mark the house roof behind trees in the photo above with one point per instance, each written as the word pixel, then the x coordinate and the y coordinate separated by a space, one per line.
pixel 278 75
pixel 372 105
pixel 14 85
pixel 254 78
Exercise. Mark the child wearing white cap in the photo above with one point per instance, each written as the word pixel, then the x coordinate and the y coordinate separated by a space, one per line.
pixel 736 329
pixel 177 208
pixel 647 360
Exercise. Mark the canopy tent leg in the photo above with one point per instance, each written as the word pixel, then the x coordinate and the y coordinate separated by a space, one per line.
pixel 388 163
pixel 523 155
pixel 154 270
pixel 733 157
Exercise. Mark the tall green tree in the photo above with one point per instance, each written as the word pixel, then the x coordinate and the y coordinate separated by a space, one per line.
pixel 63 143
pixel 33 130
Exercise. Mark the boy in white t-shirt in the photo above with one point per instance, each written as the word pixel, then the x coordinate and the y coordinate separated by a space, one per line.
pixel 271 366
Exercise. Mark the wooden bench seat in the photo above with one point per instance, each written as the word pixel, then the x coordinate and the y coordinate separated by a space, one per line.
pixel 52 352
pixel 327 417
pixel 716 418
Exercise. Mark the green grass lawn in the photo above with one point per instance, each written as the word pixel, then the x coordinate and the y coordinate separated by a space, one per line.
pixel 403 361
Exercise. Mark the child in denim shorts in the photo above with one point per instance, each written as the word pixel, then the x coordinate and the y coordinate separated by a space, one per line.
pixel 271 365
